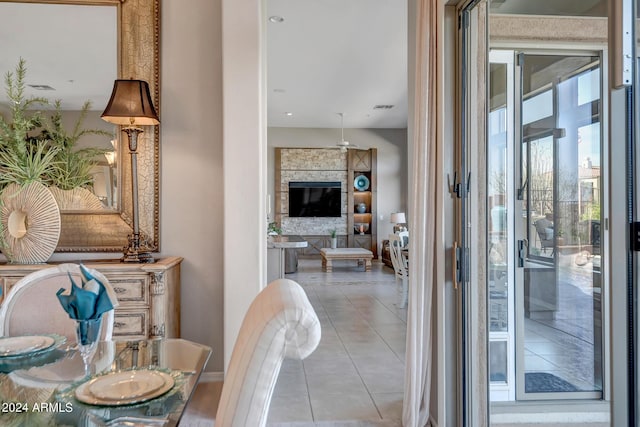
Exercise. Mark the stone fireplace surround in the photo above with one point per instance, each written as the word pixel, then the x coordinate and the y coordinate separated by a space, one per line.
pixel 309 164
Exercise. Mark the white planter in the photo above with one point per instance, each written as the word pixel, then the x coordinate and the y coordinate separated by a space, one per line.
pixel 334 242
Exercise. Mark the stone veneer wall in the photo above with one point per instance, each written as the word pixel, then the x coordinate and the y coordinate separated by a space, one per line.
pixel 309 164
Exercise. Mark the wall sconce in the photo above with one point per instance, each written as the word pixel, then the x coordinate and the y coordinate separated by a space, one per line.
pixel 131 106
pixel 399 219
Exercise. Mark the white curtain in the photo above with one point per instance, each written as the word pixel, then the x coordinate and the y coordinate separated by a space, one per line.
pixel 425 207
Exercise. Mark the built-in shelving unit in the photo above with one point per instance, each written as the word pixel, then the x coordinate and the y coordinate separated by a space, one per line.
pixel 362 204
pixel 314 164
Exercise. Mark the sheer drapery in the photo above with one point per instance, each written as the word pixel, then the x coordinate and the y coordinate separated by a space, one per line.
pixel 425 207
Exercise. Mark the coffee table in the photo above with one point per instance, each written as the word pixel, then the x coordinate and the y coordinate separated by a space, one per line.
pixel 361 255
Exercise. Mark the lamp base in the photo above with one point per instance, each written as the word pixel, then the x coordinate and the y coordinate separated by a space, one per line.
pixel 135 253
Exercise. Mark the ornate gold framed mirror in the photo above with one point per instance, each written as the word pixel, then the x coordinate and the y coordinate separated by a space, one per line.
pixel 138 57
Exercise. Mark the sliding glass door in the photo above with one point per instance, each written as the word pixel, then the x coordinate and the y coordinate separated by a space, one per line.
pixel 544 254
pixel 558 296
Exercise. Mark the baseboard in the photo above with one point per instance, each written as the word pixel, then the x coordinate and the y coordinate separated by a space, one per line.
pixel 211 377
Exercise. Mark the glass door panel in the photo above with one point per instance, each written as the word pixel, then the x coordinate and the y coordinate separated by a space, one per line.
pixel 558 343
pixel 500 226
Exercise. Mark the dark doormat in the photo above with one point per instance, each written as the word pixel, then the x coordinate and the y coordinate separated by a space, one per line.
pixel 544 382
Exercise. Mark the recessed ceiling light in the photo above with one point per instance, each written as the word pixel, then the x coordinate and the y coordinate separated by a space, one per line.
pixel 288 114
pixel 276 19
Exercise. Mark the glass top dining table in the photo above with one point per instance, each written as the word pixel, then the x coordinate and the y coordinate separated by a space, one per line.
pixel 50 388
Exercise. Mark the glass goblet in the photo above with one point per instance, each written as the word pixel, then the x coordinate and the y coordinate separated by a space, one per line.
pixel 87 337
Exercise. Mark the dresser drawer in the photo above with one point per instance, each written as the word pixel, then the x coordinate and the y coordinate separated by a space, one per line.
pixel 131 290
pixel 131 323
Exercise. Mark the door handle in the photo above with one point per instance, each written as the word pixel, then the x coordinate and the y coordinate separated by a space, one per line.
pixel 460 265
pixel 455 265
pixel 522 244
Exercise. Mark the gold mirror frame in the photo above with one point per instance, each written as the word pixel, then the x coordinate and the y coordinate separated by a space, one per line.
pixel 138 58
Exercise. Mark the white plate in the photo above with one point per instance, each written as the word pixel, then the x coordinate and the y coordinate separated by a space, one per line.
pixel 124 387
pixel 14 346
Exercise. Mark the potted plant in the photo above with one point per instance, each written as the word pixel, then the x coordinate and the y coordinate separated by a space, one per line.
pixel 334 238
pixel 273 229
pixel 22 159
pixel 29 215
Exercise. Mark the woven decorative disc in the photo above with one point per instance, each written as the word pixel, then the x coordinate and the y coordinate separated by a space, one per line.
pixel 30 223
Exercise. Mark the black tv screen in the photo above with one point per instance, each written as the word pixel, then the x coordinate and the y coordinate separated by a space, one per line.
pixel 317 199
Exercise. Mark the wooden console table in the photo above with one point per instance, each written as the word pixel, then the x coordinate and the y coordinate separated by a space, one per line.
pixel 149 294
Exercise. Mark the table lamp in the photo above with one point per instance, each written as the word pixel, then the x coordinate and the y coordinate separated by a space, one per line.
pixel 131 106
pixel 398 218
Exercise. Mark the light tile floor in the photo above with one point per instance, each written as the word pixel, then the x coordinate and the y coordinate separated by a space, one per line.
pixel 355 376
pixel 565 345
pixel 357 372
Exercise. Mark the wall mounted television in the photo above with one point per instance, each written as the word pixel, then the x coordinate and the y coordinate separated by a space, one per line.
pixel 315 199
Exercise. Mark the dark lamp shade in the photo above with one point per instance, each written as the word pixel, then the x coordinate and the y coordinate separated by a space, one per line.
pixel 130 104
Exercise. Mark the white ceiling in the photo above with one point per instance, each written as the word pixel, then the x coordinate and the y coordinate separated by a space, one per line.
pixel 70 48
pixel 326 57
pixel 337 56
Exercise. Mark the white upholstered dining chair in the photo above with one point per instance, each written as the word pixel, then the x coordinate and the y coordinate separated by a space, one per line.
pixel 280 323
pixel 400 266
pixel 31 307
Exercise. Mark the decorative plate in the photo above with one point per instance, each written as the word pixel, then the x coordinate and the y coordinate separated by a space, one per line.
pixel 31 223
pixel 43 354
pixel 361 183
pixel 124 387
pixel 15 346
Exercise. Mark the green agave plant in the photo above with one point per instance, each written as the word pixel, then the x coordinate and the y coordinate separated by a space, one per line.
pixel 37 162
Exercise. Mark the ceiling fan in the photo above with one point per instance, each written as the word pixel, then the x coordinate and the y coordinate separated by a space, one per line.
pixel 343 145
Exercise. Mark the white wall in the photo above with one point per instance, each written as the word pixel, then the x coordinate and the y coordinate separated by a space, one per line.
pixel 245 160
pixel 191 204
pixel 392 162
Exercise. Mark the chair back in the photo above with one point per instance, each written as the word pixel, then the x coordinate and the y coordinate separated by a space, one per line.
pixel 544 229
pixel 31 307
pixel 404 237
pixel 400 265
pixel 279 323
